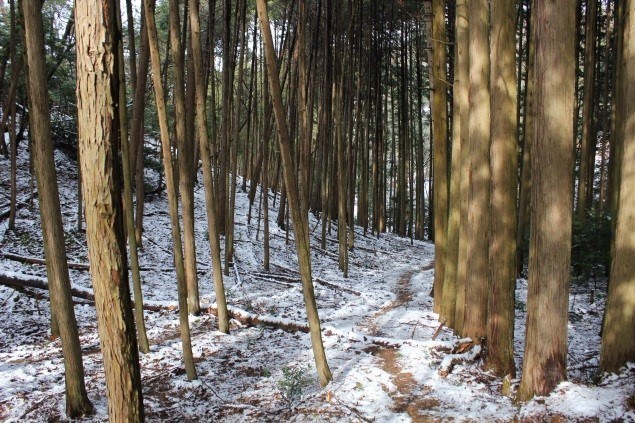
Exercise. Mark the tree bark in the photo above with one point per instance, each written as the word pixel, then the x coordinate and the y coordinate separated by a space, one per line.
pixel 459 142
pixel 128 204
pixel 97 87
pixel 618 343
pixel 439 138
pixel 77 402
pixel 504 167
pixel 544 365
pixel 478 231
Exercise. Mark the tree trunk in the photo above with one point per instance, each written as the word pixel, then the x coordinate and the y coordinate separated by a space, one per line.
pixel 171 191
pixel 77 402
pixel 459 142
pixel 439 137
pixel 544 365
pixel 504 168
pixel 299 221
pixel 13 143
pixel 229 230
pixel 184 159
pixel 588 132
pixel 128 205
pixel 618 343
pixel 525 168
pixel 208 180
pixel 478 231
pixel 136 130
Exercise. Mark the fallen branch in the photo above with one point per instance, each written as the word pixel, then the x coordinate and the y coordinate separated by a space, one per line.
pixel 436 332
pixel 35 260
pixel 321 281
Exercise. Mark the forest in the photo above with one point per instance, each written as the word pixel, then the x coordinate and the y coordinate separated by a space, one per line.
pixel 324 210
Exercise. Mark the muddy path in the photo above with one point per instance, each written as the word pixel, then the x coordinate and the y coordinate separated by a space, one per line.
pixel 408 396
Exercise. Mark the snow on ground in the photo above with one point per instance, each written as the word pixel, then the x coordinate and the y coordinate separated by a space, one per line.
pixel 377 326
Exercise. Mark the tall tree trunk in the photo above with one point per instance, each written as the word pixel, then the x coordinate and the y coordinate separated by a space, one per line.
pixel 142 337
pixel 208 180
pixel 136 130
pixel 588 132
pixel 525 167
pixel 173 205
pixel 77 402
pixel 618 343
pixel 227 82
pixel 13 143
pixel 606 121
pixel 439 136
pixel 504 168
pixel 229 224
pixel 185 152
pixel 478 231
pixel 300 223
pixel 459 142
pixel 544 364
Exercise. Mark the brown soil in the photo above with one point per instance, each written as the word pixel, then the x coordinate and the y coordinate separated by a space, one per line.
pixel 408 397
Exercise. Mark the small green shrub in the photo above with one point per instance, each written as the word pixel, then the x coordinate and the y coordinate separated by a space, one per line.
pixel 294 380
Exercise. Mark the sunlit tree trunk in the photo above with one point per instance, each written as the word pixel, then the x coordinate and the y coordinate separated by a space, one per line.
pixel 544 364
pixel 504 167
pixel 440 137
pixel 459 142
pixel 618 342
pixel 478 231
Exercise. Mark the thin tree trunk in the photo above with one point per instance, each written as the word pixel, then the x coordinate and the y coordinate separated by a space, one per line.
pixel 229 226
pixel 142 337
pixel 136 130
pixel 588 132
pixel 13 144
pixel 172 192
pixel 299 221
pixel 77 402
pixel 208 180
pixel 185 152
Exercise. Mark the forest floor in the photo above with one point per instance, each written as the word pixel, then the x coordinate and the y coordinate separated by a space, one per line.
pixel 378 330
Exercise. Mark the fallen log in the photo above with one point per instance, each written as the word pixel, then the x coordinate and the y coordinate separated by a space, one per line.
pixel 242 316
pixel 29 281
pixel 71 265
pixel 35 260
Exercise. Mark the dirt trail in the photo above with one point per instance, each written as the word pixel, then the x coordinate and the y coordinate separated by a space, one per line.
pixel 408 397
